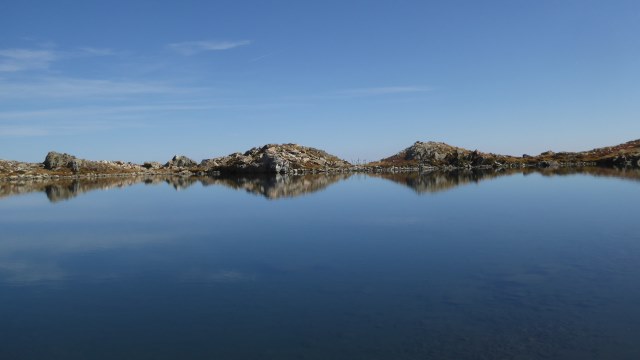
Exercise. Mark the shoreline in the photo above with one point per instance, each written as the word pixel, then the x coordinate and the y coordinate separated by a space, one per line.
pixel 360 169
pixel 296 159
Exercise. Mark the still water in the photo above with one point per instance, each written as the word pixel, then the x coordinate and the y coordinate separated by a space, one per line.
pixel 463 265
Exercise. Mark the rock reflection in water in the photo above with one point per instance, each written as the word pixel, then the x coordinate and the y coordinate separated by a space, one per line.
pixel 437 181
pixel 271 187
pixel 280 186
pixel 65 189
pixel 288 186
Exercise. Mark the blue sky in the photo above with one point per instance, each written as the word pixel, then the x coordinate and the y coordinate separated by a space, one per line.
pixel 143 80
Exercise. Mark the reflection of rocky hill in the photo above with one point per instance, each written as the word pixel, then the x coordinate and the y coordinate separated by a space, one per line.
pixel 287 186
pixel 436 181
pixel 279 186
pixel 64 189
pixel 272 187
pixel 632 174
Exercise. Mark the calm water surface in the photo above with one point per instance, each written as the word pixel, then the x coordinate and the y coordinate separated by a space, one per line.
pixel 434 266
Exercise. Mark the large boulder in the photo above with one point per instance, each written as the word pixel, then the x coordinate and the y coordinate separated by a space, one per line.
pixel 55 160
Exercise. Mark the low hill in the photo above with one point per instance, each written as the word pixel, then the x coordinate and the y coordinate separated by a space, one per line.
pixel 441 155
pixel 274 158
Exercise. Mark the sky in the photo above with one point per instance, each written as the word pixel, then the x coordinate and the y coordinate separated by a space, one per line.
pixel 144 80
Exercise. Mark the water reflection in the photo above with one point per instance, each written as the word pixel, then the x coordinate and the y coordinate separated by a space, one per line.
pixel 278 186
pixel 437 181
pixel 288 186
pixel 540 271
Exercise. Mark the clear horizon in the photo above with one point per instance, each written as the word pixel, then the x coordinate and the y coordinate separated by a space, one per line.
pixel 144 80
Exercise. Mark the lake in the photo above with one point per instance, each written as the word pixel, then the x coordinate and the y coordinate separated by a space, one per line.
pixel 458 265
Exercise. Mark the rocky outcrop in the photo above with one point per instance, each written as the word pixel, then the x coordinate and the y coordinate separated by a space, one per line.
pixel 63 163
pixel 64 166
pixel 15 169
pixel 179 161
pixel 55 160
pixel 277 159
pixel 440 155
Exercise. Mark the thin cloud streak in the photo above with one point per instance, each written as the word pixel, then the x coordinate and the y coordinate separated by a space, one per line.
pixel 189 48
pixel 69 128
pixel 260 58
pixel 23 131
pixel 22 59
pixel 55 88
pixel 14 60
pixel 100 110
pixel 385 90
pixel 96 51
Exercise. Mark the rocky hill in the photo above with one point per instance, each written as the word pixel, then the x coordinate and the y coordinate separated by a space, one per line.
pixel 440 155
pixel 280 159
pixel 623 155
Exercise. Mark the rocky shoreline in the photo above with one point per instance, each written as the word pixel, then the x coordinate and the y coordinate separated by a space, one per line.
pixel 295 159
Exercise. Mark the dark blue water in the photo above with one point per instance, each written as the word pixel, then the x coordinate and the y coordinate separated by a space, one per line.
pixel 464 266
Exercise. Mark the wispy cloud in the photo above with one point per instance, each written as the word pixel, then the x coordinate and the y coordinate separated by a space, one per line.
pixel 260 58
pixel 22 131
pixel 95 111
pixel 62 87
pixel 189 48
pixel 384 90
pixel 96 51
pixel 65 128
pixel 23 59
pixel 14 60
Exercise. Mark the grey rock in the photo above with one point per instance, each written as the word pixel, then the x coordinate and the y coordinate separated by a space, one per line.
pixel 275 164
pixel 74 165
pixel 180 161
pixel 55 160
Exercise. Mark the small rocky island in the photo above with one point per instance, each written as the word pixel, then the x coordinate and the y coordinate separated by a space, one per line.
pixel 297 159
